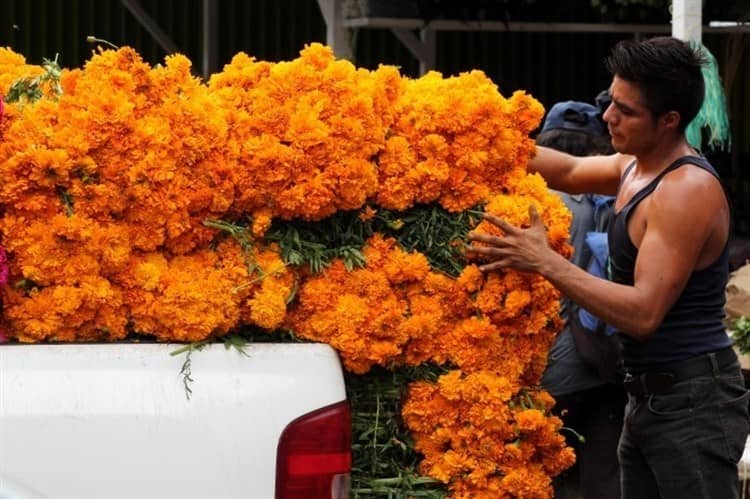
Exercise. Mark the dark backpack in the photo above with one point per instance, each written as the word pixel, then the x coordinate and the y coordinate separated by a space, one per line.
pixel 597 343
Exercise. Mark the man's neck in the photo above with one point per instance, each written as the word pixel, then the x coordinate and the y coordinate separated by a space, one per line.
pixel 663 154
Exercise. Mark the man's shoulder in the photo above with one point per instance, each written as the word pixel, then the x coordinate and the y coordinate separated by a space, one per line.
pixel 690 181
pixel 622 161
pixel 688 196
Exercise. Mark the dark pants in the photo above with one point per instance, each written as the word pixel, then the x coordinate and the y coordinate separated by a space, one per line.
pixel 597 415
pixel 686 444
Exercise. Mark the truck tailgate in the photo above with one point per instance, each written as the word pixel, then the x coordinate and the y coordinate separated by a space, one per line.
pixel 97 421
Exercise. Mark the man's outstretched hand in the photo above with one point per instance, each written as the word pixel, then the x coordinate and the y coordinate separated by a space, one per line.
pixel 519 248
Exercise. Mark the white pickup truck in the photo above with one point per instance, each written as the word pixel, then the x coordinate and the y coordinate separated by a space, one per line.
pixel 101 421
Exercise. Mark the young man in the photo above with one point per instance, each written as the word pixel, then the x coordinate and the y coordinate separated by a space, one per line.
pixel 686 421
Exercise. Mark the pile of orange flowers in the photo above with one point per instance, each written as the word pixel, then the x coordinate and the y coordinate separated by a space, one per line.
pixel 481 428
pixel 114 191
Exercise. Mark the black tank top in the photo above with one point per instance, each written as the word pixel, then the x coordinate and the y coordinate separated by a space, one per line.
pixel 693 325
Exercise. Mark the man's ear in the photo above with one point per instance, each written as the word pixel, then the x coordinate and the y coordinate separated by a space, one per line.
pixel 671 119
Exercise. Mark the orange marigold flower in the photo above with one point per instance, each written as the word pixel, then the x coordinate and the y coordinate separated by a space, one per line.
pixel 367 213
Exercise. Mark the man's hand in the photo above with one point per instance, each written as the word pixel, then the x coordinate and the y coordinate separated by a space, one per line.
pixel 521 249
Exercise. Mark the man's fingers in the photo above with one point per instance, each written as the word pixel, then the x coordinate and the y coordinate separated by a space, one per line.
pixel 485 238
pixel 533 214
pixel 499 222
pixel 534 217
pixel 514 249
pixel 496 265
pixel 489 251
pixel 485 251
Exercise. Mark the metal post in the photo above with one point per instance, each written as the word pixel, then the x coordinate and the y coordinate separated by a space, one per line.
pixel 429 41
pixel 337 35
pixel 423 48
pixel 687 17
pixel 210 47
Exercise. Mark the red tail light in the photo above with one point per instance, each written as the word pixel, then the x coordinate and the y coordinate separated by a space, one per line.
pixel 314 458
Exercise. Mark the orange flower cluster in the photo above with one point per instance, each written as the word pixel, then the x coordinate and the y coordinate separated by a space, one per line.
pixel 484 436
pixel 513 207
pixel 13 67
pixel 304 132
pixel 397 311
pixel 83 281
pixel 455 141
pixel 370 314
pixel 496 330
pixel 107 192
pixel 479 430
pixel 124 143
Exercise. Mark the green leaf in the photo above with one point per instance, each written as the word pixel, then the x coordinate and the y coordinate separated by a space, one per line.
pixel 740 331
pixel 31 89
pixel 237 342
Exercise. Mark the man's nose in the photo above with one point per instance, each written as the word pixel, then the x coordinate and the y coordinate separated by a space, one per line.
pixel 609 113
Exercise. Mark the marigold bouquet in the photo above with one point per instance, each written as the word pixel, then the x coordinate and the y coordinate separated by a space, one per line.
pixel 310 196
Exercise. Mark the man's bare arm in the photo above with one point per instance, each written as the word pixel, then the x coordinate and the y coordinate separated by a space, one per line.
pixel 669 251
pixel 673 244
pixel 564 172
pixel 526 249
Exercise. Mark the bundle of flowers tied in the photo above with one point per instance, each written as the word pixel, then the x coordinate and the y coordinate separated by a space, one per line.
pixel 308 196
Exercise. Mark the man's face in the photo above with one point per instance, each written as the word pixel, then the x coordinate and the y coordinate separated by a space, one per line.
pixel 630 123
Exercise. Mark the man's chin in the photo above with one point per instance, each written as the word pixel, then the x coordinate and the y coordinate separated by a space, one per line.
pixel 618 146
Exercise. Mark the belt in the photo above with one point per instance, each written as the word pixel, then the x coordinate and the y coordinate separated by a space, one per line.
pixel 661 382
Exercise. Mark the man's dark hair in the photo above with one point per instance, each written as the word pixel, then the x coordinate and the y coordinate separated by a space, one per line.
pixel 668 72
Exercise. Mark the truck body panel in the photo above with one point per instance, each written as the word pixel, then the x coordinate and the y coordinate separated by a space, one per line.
pixel 95 421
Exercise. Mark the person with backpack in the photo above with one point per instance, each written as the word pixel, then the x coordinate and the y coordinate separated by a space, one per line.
pixel 686 419
pixel 583 372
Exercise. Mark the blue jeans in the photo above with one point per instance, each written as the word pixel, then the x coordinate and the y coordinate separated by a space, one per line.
pixel 686 444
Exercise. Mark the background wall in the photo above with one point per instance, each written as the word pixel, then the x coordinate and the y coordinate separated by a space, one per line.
pixel 550 66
